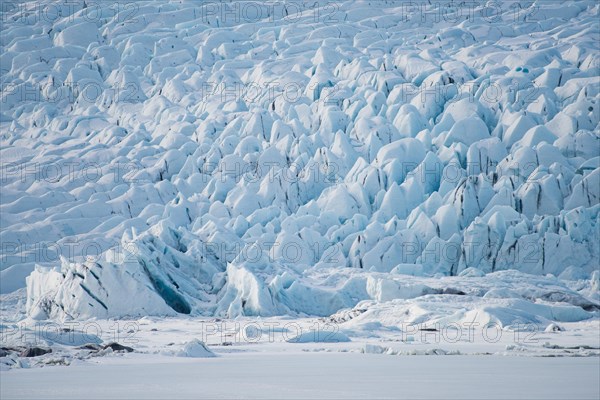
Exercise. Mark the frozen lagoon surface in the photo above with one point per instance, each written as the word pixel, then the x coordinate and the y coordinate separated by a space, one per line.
pixel 260 358
pixel 314 376
pixel 377 199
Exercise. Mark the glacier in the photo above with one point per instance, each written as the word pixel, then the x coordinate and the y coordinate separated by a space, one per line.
pixel 171 158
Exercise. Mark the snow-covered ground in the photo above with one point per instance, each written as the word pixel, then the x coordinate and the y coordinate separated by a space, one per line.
pixel 263 358
pixel 314 375
pixel 397 178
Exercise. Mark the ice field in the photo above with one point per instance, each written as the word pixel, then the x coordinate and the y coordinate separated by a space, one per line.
pixel 380 182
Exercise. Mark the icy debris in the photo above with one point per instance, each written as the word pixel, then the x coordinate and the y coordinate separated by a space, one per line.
pixel 318 336
pixel 34 352
pixel 376 349
pixel 114 346
pixel 553 328
pixel 195 349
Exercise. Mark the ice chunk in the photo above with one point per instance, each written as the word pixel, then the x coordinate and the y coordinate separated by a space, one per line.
pixel 195 349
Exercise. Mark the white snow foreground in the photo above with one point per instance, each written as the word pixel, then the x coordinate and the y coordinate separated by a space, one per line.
pixel 314 375
pixel 188 357
pixel 375 162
